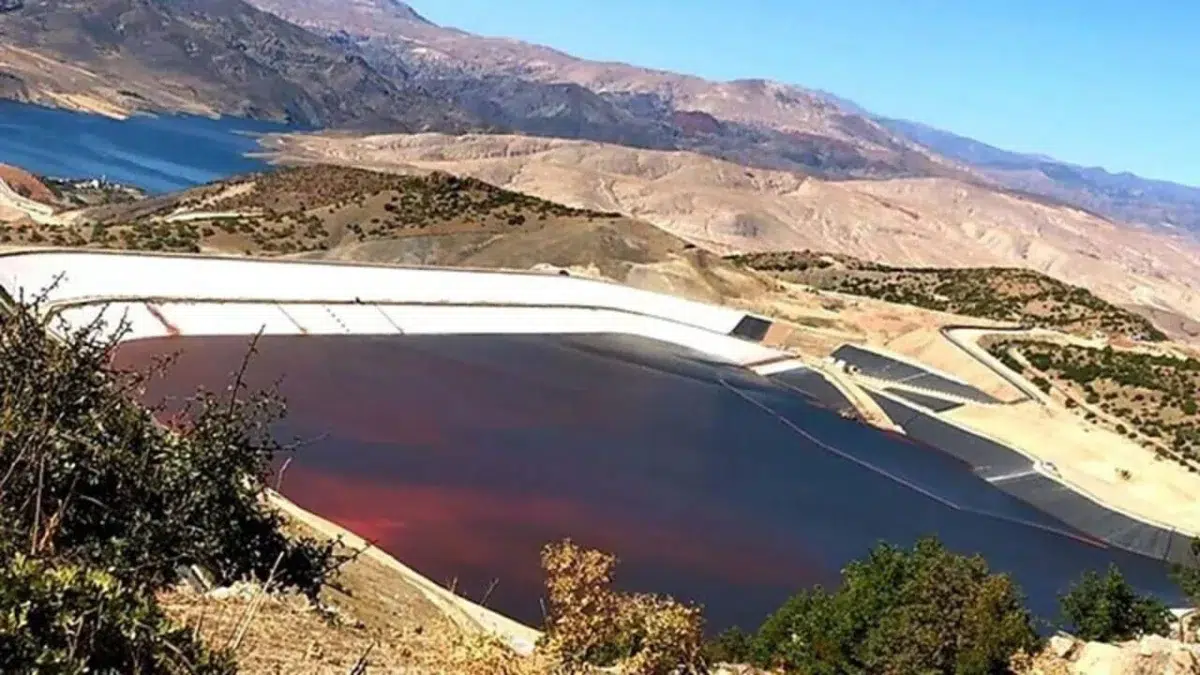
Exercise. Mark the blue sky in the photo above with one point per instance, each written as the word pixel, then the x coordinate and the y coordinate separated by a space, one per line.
pixel 1095 82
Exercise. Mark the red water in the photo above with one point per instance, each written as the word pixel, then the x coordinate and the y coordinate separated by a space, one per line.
pixel 464 455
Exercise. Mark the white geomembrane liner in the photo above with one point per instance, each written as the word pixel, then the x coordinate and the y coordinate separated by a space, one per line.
pixel 362 319
pixel 74 276
pixel 314 319
pixel 167 295
pixel 133 317
pixel 228 319
pixel 424 319
pixel 309 319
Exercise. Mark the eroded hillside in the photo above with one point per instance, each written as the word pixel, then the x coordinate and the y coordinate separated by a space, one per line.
pixel 205 57
pixel 344 213
pixel 727 208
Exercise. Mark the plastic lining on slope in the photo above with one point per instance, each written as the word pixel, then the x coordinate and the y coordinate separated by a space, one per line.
pixel 882 367
pixel 1012 472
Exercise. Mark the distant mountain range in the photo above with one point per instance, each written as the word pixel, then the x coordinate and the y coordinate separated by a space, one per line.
pixel 1123 196
pixel 380 65
pixel 517 86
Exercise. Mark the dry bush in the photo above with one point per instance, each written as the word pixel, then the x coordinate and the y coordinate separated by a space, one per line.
pixel 590 624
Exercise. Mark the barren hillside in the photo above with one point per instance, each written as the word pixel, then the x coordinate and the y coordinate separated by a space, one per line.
pixel 536 90
pixel 728 208
pixel 782 106
pixel 199 56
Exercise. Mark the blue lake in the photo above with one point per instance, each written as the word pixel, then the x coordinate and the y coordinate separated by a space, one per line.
pixel 156 153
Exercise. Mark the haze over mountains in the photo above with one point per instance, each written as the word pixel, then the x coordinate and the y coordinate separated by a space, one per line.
pixel 1123 196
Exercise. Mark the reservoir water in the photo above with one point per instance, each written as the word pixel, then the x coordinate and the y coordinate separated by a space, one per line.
pixel 463 455
pixel 156 153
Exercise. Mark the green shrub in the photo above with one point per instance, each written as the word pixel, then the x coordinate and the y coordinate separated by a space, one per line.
pixel 89 475
pixel 921 611
pixel 730 646
pixel 1107 609
pixel 1187 577
pixel 66 619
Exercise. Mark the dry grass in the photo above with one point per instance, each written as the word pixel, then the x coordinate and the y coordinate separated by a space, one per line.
pixel 285 634
pixel 374 619
pixel 372 616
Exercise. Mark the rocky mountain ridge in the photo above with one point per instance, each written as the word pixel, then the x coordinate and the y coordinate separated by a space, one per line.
pixel 207 56
pixel 538 90
pixel 1123 195
pixel 754 122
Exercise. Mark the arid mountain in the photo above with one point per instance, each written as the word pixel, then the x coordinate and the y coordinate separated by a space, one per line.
pixel 540 91
pixel 1119 195
pixel 207 56
pixel 727 208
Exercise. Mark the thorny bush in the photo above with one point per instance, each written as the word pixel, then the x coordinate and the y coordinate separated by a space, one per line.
pixel 590 624
pixel 88 476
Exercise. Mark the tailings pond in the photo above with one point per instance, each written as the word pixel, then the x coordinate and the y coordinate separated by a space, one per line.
pixel 463 455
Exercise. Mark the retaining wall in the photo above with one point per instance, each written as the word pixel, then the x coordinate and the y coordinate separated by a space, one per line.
pixel 163 295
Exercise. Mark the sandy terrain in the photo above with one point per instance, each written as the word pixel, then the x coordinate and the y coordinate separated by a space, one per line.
pixel 1091 457
pixel 726 207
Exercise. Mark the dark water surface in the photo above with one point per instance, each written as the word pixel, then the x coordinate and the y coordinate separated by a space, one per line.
pixel 158 154
pixel 463 455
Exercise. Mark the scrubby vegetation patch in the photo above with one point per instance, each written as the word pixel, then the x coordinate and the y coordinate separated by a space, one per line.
pixel 998 293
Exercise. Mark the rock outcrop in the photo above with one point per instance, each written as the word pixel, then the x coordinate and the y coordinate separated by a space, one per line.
pixel 1151 655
